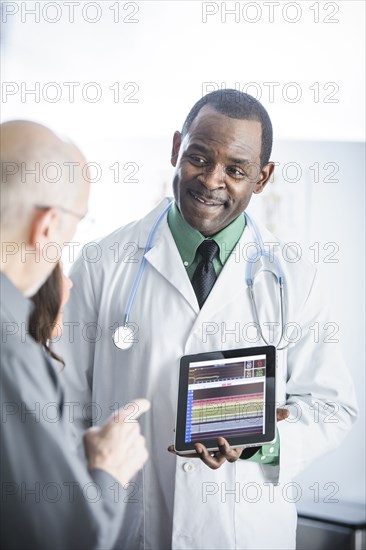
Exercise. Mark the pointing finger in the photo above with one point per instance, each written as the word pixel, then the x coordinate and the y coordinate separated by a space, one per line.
pixel 129 413
pixel 143 405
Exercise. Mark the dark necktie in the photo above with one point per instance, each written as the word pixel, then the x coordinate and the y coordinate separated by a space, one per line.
pixel 205 276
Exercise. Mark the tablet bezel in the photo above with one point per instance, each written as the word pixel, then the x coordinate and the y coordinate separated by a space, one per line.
pixel 181 447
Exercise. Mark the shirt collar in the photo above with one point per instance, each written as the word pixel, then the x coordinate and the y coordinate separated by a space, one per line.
pixel 188 239
pixel 17 305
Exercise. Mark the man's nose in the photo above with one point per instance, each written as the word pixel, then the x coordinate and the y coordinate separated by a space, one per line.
pixel 213 177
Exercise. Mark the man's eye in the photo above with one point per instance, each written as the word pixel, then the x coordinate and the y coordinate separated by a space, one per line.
pixel 236 172
pixel 197 160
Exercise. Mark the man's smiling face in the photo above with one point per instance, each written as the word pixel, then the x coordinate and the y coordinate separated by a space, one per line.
pixel 217 169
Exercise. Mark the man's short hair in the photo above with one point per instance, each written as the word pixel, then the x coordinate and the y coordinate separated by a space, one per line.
pixel 236 104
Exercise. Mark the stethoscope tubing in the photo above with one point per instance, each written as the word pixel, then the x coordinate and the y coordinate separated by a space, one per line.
pixel 250 283
pixel 248 276
pixel 141 270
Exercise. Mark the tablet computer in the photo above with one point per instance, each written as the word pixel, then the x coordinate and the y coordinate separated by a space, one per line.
pixel 228 393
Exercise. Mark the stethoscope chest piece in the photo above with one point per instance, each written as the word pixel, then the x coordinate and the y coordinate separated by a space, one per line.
pixel 123 337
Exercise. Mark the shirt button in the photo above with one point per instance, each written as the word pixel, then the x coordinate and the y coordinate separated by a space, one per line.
pixel 263 457
pixel 271 449
pixel 185 263
pixel 188 467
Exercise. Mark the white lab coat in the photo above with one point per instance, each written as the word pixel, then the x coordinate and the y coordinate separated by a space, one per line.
pixel 179 502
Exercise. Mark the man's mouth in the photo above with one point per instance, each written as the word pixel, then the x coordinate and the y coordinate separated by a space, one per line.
pixel 205 201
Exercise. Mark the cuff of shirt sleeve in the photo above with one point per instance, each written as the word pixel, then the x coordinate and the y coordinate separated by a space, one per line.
pixel 111 494
pixel 267 454
pixel 111 490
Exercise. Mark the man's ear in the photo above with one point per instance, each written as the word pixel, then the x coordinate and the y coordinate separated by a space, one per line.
pixel 43 226
pixel 264 177
pixel 177 140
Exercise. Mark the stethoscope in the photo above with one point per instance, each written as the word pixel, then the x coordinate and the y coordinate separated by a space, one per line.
pixel 123 336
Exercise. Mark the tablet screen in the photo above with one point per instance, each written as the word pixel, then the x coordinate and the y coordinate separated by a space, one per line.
pixel 229 395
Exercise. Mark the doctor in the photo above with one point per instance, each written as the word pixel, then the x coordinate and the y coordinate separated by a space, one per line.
pixel 231 500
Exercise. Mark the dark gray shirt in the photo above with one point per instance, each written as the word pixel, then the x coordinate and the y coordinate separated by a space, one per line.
pixel 48 497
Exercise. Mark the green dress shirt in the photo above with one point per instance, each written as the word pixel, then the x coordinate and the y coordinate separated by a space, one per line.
pixel 188 240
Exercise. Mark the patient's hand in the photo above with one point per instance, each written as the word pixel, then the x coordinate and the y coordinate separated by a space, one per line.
pixel 118 446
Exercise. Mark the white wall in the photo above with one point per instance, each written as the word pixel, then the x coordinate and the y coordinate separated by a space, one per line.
pixel 332 214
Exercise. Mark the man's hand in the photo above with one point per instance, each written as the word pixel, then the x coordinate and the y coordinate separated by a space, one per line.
pixel 215 459
pixel 118 446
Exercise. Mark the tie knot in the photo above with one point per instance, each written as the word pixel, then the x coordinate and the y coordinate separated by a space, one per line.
pixel 208 250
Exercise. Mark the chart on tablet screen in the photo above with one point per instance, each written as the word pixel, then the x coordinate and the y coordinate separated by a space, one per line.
pixel 226 397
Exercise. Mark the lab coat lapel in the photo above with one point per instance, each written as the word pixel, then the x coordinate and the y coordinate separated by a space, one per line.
pixel 165 258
